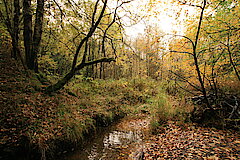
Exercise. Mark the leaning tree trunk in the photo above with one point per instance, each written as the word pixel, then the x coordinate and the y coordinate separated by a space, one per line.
pixel 60 84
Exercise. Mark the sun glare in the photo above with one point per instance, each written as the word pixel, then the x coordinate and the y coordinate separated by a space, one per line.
pixel 166 24
pixel 169 17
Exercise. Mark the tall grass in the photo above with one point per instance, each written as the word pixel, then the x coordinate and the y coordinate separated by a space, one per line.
pixel 167 107
pixel 69 118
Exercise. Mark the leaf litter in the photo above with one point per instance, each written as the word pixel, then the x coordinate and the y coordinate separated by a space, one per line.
pixel 179 141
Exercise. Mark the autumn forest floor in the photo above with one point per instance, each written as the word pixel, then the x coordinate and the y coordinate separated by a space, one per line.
pixel 38 122
pixel 177 140
pixel 192 142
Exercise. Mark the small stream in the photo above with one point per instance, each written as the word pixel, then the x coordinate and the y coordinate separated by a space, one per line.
pixel 109 142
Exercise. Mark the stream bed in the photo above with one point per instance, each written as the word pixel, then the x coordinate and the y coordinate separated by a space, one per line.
pixel 114 142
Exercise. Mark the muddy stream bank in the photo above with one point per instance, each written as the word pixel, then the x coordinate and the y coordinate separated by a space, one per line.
pixel 122 140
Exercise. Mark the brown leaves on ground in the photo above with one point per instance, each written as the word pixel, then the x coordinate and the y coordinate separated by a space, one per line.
pixel 191 142
pixel 26 112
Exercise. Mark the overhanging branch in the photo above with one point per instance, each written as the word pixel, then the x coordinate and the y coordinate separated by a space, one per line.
pixel 105 59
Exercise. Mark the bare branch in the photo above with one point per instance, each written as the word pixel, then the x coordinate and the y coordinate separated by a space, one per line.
pixel 180 52
pixel 190 4
pixel 184 89
pixel 90 33
pixel 94 12
pixel 189 39
pixel 105 59
pixel 185 80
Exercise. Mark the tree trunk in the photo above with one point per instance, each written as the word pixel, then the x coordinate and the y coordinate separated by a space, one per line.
pixel 27 33
pixel 200 78
pixel 32 41
pixel 37 32
pixel 15 34
pixel 231 59
pixel 101 71
pixel 60 84
pixel 93 57
pixel 233 65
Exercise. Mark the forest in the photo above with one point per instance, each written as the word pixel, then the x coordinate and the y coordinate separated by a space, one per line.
pixel 119 79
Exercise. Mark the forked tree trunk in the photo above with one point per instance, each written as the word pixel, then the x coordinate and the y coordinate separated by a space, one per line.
pixel 32 40
pixel 195 57
pixel 60 84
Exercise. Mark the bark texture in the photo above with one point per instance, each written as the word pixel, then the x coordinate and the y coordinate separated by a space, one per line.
pixel 37 32
pixel 27 33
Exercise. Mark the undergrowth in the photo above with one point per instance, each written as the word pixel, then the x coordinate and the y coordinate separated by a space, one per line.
pixel 168 105
pixel 33 120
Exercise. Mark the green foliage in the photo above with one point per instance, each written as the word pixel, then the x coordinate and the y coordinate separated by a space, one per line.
pixel 5 38
pixel 47 63
pixel 63 34
pixel 74 124
pixel 133 97
pixel 165 107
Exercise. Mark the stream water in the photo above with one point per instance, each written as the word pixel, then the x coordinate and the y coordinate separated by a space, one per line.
pixel 109 142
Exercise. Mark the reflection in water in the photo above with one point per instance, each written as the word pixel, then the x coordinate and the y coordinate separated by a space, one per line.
pixel 117 138
pixel 106 145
